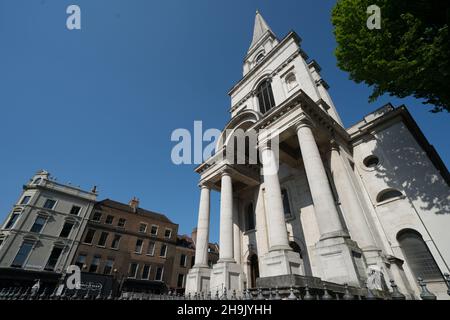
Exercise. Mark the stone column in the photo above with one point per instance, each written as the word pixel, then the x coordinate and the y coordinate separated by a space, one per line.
pixel 202 241
pixel 226 219
pixel 354 212
pixel 330 225
pixel 276 224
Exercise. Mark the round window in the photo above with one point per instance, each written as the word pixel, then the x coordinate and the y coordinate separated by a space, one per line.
pixel 371 161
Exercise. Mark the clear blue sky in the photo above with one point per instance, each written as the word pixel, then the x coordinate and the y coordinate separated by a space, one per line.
pixel 98 106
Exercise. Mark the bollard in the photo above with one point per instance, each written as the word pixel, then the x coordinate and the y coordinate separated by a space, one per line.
pixel 396 294
pixel 326 294
pixel 425 294
pixel 347 295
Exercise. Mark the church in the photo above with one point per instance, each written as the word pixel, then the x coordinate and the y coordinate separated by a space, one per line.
pixel 322 201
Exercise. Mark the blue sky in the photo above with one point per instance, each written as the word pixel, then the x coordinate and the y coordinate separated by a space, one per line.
pixel 98 106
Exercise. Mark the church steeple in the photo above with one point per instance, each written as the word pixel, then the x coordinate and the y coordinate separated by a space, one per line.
pixel 262 42
pixel 260 29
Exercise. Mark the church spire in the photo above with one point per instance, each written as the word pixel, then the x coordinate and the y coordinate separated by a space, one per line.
pixel 260 29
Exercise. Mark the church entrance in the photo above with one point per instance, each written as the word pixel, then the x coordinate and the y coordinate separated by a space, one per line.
pixel 254 270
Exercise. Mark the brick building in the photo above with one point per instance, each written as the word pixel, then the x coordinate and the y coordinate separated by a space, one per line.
pixel 128 248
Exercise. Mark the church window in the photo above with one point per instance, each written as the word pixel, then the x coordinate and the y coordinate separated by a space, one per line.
pixel 250 218
pixel 371 161
pixel 259 57
pixel 418 256
pixel 291 81
pixel 265 96
pixel 388 194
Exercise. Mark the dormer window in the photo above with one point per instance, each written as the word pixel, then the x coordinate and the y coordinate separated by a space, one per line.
pixel 265 96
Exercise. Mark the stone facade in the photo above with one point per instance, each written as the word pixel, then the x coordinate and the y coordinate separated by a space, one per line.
pixel 39 237
pixel 322 200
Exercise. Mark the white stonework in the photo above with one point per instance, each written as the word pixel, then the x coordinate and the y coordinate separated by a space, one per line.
pixel 343 199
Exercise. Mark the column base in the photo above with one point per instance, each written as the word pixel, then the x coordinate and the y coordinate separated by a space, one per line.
pixel 341 261
pixel 198 280
pixel 227 275
pixel 281 262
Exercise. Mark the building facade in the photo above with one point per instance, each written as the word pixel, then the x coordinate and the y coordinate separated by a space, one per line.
pixel 321 200
pixel 40 235
pixel 134 247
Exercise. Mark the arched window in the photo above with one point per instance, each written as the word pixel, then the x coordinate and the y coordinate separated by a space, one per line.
pixel 291 81
pixel 286 204
pixel 265 96
pixel 388 194
pixel 259 57
pixel 418 256
pixel 250 218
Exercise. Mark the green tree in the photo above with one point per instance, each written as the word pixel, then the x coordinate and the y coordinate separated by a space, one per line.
pixel 408 56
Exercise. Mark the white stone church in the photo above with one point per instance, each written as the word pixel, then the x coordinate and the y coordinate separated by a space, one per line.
pixel 344 202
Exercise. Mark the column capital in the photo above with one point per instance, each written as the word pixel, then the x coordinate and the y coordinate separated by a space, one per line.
pixel 305 122
pixel 225 172
pixel 334 145
pixel 204 185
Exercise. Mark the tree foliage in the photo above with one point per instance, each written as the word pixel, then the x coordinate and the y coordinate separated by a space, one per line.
pixel 408 56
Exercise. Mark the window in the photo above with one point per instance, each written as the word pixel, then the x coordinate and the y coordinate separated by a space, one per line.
pixel 89 236
pixel 22 254
pixel 163 251
pixel 286 203
pixel 418 256
pixel 67 228
pixel 180 281
pixel 75 210
pixel 108 266
pixel 151 248
pixel 49 204
pixel 250 218
pixel 97 216
pixel 102 239
pixel 154 230
pixel 38 224
pixel 146 272
pixel 265 96
pixel 109 219
pixel 159 273
pixel 167 233
pixel 81 261
pixel 138 248
pixel 25 200
pixel 94 264
pixel 259 57
pixel 37 181
pixel 371 161
pixel 388 194
pixel 142 228
pixel 116 241
pixel 291 81
pixel 132 271
pixel 53 259
pixel 121 223
pixel 192 261
pixel 183 260
pixel 12 220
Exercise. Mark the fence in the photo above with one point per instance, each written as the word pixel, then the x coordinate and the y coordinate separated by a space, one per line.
pixel 292 293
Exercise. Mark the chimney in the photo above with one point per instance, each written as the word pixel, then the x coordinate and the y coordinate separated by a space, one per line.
pixel 194 235
pixel 134 204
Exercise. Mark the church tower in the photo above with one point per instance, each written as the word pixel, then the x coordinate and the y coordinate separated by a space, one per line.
pixel 298 213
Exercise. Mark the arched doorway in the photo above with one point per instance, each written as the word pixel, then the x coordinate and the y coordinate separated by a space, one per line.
pixel 254 270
